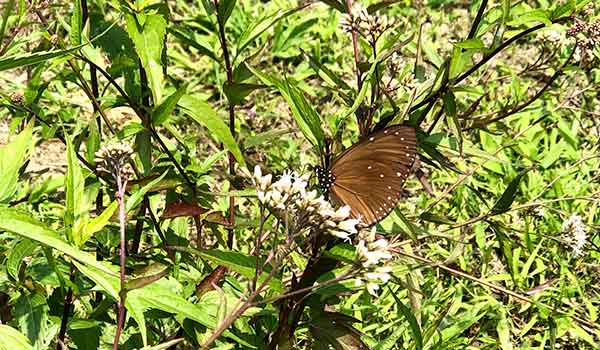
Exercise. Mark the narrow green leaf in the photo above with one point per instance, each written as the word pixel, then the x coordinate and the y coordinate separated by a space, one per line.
pixel 412 321
pixel 306 117
pixel 142 281
pixel 92 144
pixel 136 198
pixel 256 28
pixel 74 193
pixel 202 113
pixel 532 17
pixel 225 8
pixel 503 329
pixel 436 218
pixel 148 39
pixel 34 58
pixel 194 41
pixel 161 113
pixel 143 148
pixel 503 204
pixel 335 4
pixel 474 43
pixel 9 6
pixel 343 252
pixel 158 295
pixel 12 339
pixel 25 225
pixel 98 223
pixel 12 157
pixel 76 23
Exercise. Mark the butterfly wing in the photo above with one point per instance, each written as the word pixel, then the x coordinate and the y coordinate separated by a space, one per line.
pixel 369 175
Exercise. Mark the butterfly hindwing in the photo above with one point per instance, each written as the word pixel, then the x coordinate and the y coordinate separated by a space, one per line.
pixel 369 176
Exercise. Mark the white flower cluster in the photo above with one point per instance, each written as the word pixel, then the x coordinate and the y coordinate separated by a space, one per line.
pixel 576 233
pixel 304 209
pixel 371 255
pixel 364 23
pixel 551 36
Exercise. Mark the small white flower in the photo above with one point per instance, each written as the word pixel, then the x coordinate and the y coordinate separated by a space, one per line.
pixel 577 233
pixel 341 214
pixel 284 184
pixel 349 225
pixel 262 182
pixel 340 234
pixel 372 288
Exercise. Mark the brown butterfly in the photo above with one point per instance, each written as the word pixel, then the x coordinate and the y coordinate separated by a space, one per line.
pixel 368 176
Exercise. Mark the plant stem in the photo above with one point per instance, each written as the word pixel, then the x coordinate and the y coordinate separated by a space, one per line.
pixel 66 310
pixel 231 109
pixel 122 292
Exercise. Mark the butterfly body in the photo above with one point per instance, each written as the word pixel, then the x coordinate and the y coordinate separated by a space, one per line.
pixel 369 176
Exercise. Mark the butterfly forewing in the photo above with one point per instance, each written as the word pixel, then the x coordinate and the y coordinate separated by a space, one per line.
pixel 369 175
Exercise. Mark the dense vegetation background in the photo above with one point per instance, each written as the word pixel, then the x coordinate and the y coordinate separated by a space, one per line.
pixel 156 162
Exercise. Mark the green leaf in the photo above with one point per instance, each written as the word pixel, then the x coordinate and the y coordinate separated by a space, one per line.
pixel 343 252
pixel 76 23
pixel 34 58
pixel 143 148
pixel 158 295
pixel 92 144
pixel 412 321
pixel 98 223
pixel 265 137
pixel 436 218
pixel 12 339
pixel 31 312
pixel 565 9
pixel 75 215
pixel 161 113
pixel 22 249
pixel 503 204
pixel 194 41
pixel 335 4
pixel 9 6
pixel 470 44
pixel 148 39
pixel 136 198
pixel 256 28
pixel 23 224
pixel 236 92
pixel 224 10
pixel 85 334
pixel 531 17
pixel 12 157
pixel 238 262
pixel 453 122
pixel 142 281
pixel 503 329
pixel 202 113
pixel 306 117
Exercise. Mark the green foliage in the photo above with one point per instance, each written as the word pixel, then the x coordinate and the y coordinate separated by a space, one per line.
pixel 494 241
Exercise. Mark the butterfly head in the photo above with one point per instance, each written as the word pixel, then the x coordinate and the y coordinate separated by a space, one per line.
pixel 325 178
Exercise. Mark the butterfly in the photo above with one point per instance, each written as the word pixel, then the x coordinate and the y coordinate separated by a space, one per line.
pixel 368 177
